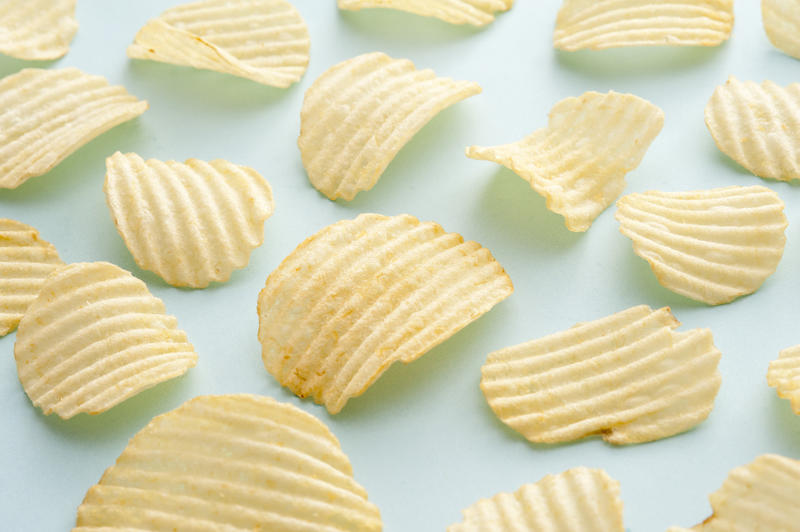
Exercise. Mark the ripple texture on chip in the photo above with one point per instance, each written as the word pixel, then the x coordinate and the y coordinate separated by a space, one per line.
pixel 579 499
pixel 362 294
pixel 45 115
pixel 475 12
pixel 782 23
pixel 191 223
pixel 360 113
pixel 601 24
pixel 94 337
pixel 37 30
pixel 579 161
pixel 628 377
pixel 711 245
pixel 784 375
pixel 231 463
pixel 262 40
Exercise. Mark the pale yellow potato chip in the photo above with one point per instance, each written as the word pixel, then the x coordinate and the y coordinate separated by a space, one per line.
pixel 784 375
pixel 93 337
pixel 758 126
pixel 362 294
pixel 475 12
pixel 360 113
pixel 45 115
pixel 579 499
pixel 579 161
pixel 628 377
pixel 25 261
pixel 230 463
pixel 601 24
pixel 191 223
pixel 37 29
pixel 710 245
pixel 782 24
pixel 262 40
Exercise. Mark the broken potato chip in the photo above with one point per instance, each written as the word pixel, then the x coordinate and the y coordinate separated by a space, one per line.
pixel 628 377
pixel 93 337
pixel 191 223
pixel 782 23
pixel 711 245
pixel 37 30
pixel 579 161
pixel 784 376
pixel 230 462
pixel 475 12
pixel 362 294
pixel 359 114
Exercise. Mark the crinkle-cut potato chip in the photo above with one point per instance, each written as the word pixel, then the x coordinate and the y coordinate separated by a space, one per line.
pixel 782 23
pixel 360 113
pixel 93 337
pixel 191 223
pixel 475 12
pixel 710 245
pixel 628 377
pixel 37 30
pixel 579 499
pixel 45 115
pixel 758 126
pixel 262 40
pixel 25 261
pixel 362 294
pixel 784 375
pixel 232 463
pixel 579 161
pixel 601 24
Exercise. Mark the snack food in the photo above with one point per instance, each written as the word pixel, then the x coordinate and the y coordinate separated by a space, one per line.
pixel 782 24
pixel 784 376
pixel 37 29
pixel 475 12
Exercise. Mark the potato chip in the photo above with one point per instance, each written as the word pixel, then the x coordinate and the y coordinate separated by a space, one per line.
pixel 758 126
pixel 711 245
pixel 93 337
pixel 628 377
pixel 601 24
pixel 782 24
pixel 45 115
pixel 25 261
pixel 784 375
pixel 232 463
pixel 579 161
pixel 360 113
pixel 362 294
pixel 475 12
pixel 262 40
pixel 37 29
pixel 579 499
pixel 191 223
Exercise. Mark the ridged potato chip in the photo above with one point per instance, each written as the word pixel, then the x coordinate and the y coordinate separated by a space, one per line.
pixel 475 12
pixel 362 294
pixel 37 30
pixel 25 261
pixel 45 115
pixel 711 245
pixel 191 223
pixel 93 337
pixel 628 377
pixel 359 114
pixel 782 24
pixel 262 40
pixel 230 463
pixel 758 126
pixel 784 375
pixel 579 499
pixel 601 24
pixel 579 161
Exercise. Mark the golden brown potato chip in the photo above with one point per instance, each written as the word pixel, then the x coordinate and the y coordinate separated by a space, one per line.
pixel 784 375
pixel 360 113
pixel 475 12
pixel 37 29
pixel 362 294
pixel 230 463
pixel 782 24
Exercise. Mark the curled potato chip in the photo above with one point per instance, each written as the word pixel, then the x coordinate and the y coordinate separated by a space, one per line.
pixel 37 29
pixel 784 375
pixel 579 161
pixel 362 294
pixel 233 463
pixel 93 337
pixel 601 24
pixel 758 126
pixel 45 115
pixel 782 24
pixel 712 245
pixel 191 223
pixel 360 113
pixel 579 499
pixel 628 377
pixel 262 40
pixel 25 261
pixel 475 12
